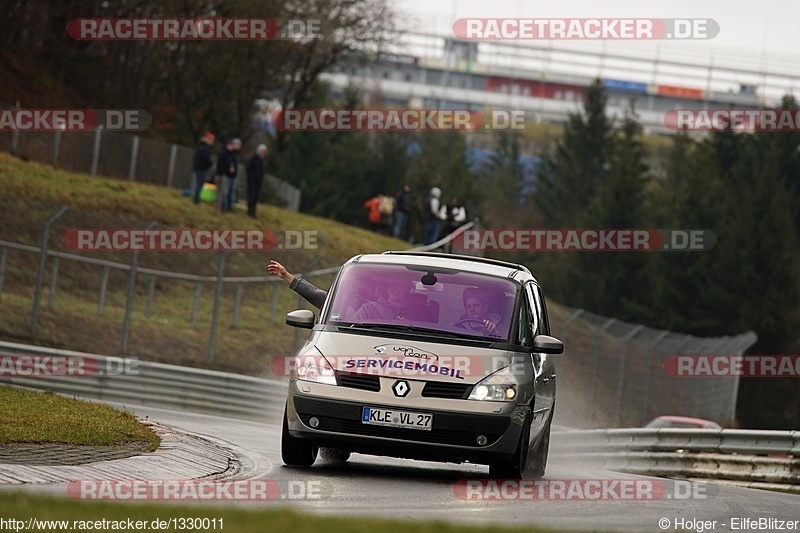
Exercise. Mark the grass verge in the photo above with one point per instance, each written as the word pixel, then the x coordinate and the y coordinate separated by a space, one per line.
pixel 42 417
pixel 22 506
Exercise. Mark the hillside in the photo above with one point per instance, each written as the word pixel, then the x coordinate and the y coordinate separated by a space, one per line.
pixel 33 192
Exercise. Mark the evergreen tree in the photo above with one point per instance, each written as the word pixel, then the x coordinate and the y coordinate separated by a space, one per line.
pixel 610 283
pixel 569 178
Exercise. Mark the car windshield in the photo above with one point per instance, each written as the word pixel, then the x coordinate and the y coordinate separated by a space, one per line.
pixel 462 303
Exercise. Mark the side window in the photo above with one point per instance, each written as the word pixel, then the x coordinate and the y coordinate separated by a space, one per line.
pixel 523 333
pixel 533 304
pixel 544 322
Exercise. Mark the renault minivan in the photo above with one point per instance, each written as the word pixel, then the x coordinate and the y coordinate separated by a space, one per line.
pixel 426 356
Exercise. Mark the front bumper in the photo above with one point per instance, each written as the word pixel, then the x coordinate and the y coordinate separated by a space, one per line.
pixel 453 437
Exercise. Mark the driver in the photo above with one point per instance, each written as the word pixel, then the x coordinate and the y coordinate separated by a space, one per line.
pixel 477 316
pixel 396 304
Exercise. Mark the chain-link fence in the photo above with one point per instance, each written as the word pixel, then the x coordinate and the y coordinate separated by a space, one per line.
pixel 612 374
pixel 129 157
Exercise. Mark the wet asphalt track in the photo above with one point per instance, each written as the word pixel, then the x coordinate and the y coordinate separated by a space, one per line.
pixel 405 489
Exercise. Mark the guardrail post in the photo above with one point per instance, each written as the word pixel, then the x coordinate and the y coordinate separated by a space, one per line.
pixel 217 300
pixel 103 284
pixel 274 301
pixel 648 367
pixel 15 136
pixel 595 346
pixel 3 257
pixel 173 154
pixel 151 288
pixel 236 305
pixel 564 326
pixel 195 303
pixel 126 326
pixel 56 146
pixel 51 298
pixel 300 300
pixel 721 417
pixel 98 133
pixel 134 158
pixel 671 379
pixel 621 375
pixel 42 260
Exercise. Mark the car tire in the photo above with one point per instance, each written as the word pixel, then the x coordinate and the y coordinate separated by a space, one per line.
pixel 334 455
pixel 538 463
pixel 515 466
pixel 294 451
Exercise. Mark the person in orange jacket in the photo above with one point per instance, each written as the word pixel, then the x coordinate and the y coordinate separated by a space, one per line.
pixel 373 214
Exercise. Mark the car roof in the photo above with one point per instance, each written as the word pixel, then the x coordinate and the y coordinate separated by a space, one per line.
pixel 465 263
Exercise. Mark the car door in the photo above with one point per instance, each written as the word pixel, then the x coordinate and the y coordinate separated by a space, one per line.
pixel 543 364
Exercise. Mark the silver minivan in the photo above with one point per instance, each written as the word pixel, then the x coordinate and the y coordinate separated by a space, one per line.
pixel 426 356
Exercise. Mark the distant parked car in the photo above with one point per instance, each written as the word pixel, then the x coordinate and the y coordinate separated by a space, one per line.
pixel 682 422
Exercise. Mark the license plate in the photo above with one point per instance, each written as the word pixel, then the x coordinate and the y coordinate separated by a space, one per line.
pixel 397 419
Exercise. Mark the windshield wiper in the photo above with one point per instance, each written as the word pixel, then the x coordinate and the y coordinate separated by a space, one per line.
pixel 419 329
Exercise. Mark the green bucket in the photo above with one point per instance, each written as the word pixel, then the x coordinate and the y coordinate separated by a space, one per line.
pixel 209 192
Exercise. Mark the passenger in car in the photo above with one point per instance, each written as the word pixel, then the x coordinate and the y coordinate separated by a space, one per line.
pixel 396 304
pixel 313 294
pixel 477 316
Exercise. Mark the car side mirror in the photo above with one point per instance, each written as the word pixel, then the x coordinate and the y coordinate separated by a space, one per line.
pixel 547 344
pixel 302 318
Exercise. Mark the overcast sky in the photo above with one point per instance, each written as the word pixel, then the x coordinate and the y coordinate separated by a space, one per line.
pixel 757 32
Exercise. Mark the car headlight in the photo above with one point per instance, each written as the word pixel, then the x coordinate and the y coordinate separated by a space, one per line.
pixel 502 386
pixel 315 368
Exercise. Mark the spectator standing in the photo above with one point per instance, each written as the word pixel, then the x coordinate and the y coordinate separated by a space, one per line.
pixel 202 164
pixel 255 177
pixel 402 211
pixel 373 214
pixel 386 207
pixel 227 167
pixel 454 215
pixel 432 216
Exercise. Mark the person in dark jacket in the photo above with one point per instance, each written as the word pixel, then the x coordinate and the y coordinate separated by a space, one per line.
pixel 255 177
pixel 312 294
pixel 402 210
pixel 227 168
pixel 202 163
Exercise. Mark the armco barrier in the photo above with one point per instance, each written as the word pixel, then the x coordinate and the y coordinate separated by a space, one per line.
pixel 161 385
pixel 735 455
pixel 740 441
pixel 753 458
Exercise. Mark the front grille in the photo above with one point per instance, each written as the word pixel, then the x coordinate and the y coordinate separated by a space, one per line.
pixel 434 436
pixel 359 381
pixel 438 389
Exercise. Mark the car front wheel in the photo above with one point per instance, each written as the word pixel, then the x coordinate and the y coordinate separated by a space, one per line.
pixel 539 459
pixel 294 451
pixel 514 468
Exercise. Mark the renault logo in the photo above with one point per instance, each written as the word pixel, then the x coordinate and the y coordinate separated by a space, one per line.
pixel 401 388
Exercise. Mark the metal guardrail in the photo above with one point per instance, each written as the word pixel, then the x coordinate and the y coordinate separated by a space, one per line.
pixel 159 385
pixel 739 441
pixel 754 458
pixel 736 455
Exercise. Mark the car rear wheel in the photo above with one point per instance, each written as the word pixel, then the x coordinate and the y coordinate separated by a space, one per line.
pixel 294 451
pixel 514 468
